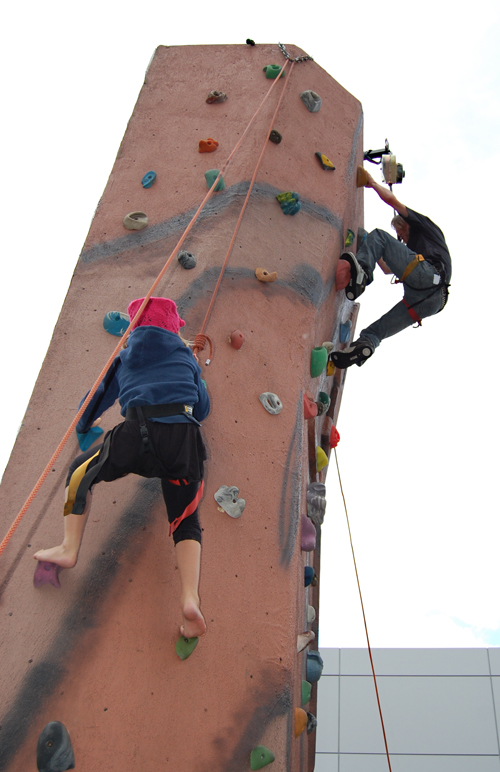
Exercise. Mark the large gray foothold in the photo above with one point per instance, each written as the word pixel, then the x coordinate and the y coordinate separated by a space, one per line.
pixel 316 502
pixel 227 498
pixel 312 100
pixel 186 259
pixel 54 752
pixel 271 402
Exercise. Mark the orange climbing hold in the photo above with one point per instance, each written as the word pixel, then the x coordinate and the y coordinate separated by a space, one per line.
pixel 361 177
pixel 264 275
pixel 208 145
pixel 300 721
pixel 310 406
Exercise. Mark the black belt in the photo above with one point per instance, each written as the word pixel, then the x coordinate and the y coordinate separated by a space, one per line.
pixel 158 411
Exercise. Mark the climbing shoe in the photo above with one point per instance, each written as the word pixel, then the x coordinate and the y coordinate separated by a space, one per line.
pixel 357 282
pixel 356 354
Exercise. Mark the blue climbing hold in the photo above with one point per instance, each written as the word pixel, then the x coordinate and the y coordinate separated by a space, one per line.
pixel 314 666
pixel 345 331
pixel 86 439
pixel 289 202
pixel 148 179
pixel 211 176
pixel 308 575
pixel 115 322
pixel 54 752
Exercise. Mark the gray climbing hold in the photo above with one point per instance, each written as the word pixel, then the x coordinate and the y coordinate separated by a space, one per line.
pixel 135 221
pixel 314 666
pixel 312 722
pixel 54 752
pixel 227 499
pixel 329 345
pixel 311 615
pixel 312 100
pixel 271 402
pixel 316 502
pixel 186 259
pixel 216 96
pixel 275 136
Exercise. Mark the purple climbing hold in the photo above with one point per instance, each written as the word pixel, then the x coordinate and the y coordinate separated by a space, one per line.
pixel 46 573
pixel 308 535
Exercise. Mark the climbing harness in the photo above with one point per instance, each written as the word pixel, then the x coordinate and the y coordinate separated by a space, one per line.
pixel 441 286
pixel 190 507
pixel 364 615
pixel 409 268
pixel 199 341
pixel 297 58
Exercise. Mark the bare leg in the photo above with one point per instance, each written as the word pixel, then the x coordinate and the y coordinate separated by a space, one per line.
pixel 188 554
pixel 67 553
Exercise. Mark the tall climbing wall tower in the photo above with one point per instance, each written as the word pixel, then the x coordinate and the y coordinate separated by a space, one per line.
pixel 99 653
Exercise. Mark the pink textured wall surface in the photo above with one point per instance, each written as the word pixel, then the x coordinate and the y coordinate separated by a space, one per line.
pixel 99 654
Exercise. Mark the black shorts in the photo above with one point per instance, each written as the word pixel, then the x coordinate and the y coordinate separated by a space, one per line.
pixel 175 452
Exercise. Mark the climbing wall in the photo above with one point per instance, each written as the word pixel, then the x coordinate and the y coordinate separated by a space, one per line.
pixel 99 653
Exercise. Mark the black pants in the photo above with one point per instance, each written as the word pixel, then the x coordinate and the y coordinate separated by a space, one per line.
pixel 174 452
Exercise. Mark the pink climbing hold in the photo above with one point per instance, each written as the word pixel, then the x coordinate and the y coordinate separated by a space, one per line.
pixel 343 275
pixel 310 406
pixel 46 573
pixel 236 339
pixel 334 437
pixel 308 535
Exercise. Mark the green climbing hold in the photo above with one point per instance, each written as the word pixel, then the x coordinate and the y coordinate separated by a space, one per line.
pixel 349 239
pixel 211 176
pixel 319 358
pixel 272 71
pixel 289 202
pixel 185 647
pixel 261 757
pixel 306 692
pixel 324 399
pixel 325 162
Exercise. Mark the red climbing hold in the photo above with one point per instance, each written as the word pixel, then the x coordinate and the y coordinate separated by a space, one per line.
pixel 343 275
pixel 310 406
pixel 236 339
pixel 334 437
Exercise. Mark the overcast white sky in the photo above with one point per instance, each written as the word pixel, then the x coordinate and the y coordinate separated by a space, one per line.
pixel 419 422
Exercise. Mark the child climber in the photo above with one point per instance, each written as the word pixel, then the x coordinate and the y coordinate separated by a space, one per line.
pixel 157 381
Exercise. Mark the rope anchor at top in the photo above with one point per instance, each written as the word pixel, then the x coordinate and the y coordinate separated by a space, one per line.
pixel 297 58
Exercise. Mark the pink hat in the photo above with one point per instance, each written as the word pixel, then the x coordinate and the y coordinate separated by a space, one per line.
pixel 159 312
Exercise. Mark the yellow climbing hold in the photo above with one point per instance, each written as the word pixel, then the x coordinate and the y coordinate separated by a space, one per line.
pixel 330 368
pixel 321 459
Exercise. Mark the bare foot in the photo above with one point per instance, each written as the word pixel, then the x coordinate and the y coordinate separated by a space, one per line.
pixel 58 555
pixel 194 624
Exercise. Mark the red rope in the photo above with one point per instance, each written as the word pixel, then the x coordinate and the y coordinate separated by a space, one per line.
pixel 364 616
pixel 108 364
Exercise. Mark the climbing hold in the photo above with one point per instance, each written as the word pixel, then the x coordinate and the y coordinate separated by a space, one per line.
pixel 236 339
pixel 349 239
pixel 275 137
pixel 325 162
pixel 216 96
pixel 185 646
pixel 148 179
pixel 263 275
pixel 361 177
pixel 316 502
pixel 272 71
pixel 362 234
pixel 304 639
pixel 310 406
pixel 261 756
pixel 86 439
pixel 186 259
pixel 228 501
pixel 312 722
pixel 342 275
pixel 310 576
pixel 311 615
pixel 330 367
pixel 314 666
pixel 321 459
pixel 135 221
pixel 312 100
pixel 345 331
pixel 207 145
pixel 324 399
pixel 54 752
pixel 289 202
pixel 319 358
pixel 211 176
pixel 328 345
pixel 306 692
pixel 115 322
pixel 46 573
pixel 308 535
pixel 251 43
pixel 334 437
pixel 271 402
pixel 300 722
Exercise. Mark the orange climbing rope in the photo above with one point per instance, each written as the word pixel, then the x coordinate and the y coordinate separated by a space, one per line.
pixel 364 616
pixel 118 347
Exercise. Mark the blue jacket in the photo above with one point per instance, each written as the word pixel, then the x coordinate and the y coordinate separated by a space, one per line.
pixel 156 368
